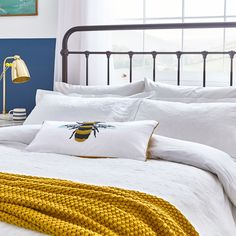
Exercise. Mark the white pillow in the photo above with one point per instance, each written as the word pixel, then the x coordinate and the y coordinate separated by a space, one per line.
pixel 122 90
pixel 59 108
pixel 40 94
pixel 95 139
pixel 22 134
pixel 192 100
pixel 190 94
pixel 162 147
pixel 198 155
pixel 212 124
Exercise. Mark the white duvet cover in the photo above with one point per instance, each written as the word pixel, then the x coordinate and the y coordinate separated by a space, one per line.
pixel 200 181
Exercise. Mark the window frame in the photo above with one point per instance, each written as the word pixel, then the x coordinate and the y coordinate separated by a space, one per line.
pixel 182 19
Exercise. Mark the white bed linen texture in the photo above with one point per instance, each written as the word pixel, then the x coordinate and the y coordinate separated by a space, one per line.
pixel 40 93
pixel 68 108
pixel 186 176
pixel 189 94
pixel 122 90
pixel 211 124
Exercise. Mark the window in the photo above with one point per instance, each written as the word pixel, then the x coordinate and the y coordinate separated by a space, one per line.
pixel 175 11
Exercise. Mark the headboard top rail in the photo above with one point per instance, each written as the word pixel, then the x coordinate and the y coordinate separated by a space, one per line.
pixel 65 51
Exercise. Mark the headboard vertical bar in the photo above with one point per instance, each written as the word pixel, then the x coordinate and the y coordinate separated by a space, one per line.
pixel 204 55
pixel 87 67
pixel 231 54
pixel 65 68
pixel 108 53
pixel 154 55
pixel 178 54
pixel 65 54
pixel 130 66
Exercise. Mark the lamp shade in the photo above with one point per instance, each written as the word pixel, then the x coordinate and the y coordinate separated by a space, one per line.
pixel 19 73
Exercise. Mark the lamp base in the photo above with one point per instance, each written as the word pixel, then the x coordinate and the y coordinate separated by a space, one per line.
pixel 5 117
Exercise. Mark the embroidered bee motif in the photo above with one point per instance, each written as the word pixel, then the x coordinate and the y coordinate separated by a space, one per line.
pixel 83 130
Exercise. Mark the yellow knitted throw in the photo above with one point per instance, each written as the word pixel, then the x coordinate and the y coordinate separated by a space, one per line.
pixel 59 207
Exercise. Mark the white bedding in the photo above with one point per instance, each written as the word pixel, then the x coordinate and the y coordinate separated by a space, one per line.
pixel 197 193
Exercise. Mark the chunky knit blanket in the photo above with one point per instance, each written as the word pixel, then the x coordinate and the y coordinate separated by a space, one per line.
pixel 59 207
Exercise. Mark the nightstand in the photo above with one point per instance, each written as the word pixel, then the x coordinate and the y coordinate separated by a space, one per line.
pixel 7 123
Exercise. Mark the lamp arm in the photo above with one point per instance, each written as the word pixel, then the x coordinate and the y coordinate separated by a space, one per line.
pixel 5 68
pixel 3 76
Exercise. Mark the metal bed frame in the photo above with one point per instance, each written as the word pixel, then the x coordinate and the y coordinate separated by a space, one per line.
pixel 65 51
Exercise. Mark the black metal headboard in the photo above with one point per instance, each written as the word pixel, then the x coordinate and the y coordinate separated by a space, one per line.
pixel 65 51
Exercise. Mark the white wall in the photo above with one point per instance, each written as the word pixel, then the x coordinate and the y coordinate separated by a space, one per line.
pixel 42 26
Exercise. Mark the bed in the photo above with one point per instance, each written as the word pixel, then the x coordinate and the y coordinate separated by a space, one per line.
pixel 191 162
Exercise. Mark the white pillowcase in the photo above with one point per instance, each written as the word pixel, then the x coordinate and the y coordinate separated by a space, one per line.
pixel 212 124
pixel 59 108
pixel 200 156
pixel 22 134
pixel 122 90
pixel 190 94
pixel 40 94
pixel 162 147
pixel 95 139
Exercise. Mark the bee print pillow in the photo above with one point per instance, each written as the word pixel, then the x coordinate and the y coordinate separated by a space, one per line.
pixel 95 139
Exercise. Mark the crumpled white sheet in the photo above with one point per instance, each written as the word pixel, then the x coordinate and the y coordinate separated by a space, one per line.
pixel 196 192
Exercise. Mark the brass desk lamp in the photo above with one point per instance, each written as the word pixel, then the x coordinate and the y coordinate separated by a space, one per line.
pixel 19 74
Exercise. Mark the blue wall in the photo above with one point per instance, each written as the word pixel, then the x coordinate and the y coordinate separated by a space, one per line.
pixel 38 55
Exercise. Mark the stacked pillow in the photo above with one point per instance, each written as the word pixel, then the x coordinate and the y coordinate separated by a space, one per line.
pixel 98 112
pixel 212 124
pixel 68 108
pixel 203 115
pixel 188 94
pixel 120 90
pixel 132 90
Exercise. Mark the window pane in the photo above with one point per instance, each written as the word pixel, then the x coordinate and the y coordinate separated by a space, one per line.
pixel 231 7
pixel 230 39
pixel 123 9
pixel 210 40
pixel 191 70
pixel 203 19
pixel 161 8
pixel 217 70
pixel 163 40
pixel 125 41
pixel 231 19
pixel 204 8
pixel 120 72
pixel 200 40
pixel 203 39
pixel 166 69
pixel 142 67
pixel 96 63
pixel 164 20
